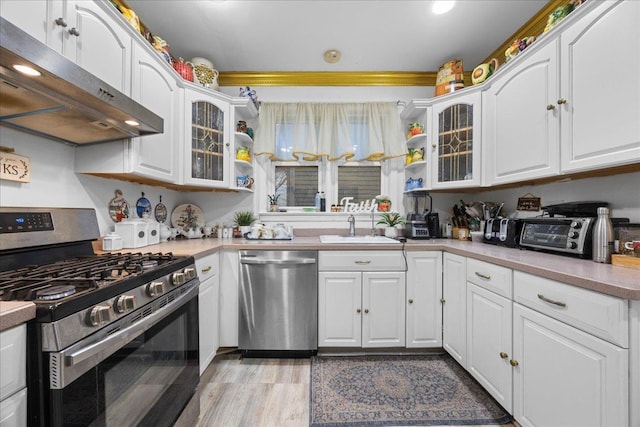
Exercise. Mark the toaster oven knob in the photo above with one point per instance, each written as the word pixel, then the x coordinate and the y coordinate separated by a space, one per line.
pixel 155 288
pixel 177 279
pixel 572 245
pixel 576 225
pixel 124 303
pixel 190 273
pixel 574 234
pixel 99 315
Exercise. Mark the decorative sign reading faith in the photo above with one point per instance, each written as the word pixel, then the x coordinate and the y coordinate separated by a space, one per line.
pixel 14 167
pixel 364 206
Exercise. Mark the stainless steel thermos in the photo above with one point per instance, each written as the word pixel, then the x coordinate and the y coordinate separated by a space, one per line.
pixel 603 237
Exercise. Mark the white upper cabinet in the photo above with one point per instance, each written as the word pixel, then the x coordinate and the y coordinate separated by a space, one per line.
pixel 455 140
pixel 84 31
pixel 600 87
pixel 521 123
pixel 206 136
pixel 33 20
pixel 154 86
pixel 155 157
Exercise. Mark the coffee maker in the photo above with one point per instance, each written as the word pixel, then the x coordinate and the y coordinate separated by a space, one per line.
pixel 424 225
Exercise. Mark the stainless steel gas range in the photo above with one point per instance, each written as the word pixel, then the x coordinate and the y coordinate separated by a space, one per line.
pixel 115 338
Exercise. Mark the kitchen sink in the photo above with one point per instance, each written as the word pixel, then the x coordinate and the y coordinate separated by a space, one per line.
pixel 357 239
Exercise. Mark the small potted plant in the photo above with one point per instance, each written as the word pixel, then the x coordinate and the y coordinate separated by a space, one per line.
pixel 391 220
pixel 273 202
pixel 244 219
pixel 384 203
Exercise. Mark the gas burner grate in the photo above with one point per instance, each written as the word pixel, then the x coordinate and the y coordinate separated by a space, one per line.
pixel 29 283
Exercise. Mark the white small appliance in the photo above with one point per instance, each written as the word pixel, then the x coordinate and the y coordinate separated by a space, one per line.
pixel 133 233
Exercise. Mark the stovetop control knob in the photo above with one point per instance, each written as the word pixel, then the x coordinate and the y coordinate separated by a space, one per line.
pixel 190 273
pixel 155 288
pixel 124 303
pixel 178 279
pixel 99 315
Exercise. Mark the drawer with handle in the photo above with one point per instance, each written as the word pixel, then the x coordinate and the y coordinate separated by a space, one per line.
pixel 361 261
pixel 601 315
pixel 208 266
pixel 490 276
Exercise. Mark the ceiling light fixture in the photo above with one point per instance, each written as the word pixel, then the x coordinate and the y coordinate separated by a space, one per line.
pixel 442 6
pixel 332 56
pixel 25 69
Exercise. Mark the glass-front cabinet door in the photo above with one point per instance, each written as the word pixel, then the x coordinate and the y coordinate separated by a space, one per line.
pixel 455 141
pixel 207 140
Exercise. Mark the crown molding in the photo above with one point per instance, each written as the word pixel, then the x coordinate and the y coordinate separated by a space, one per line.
pixel 322 78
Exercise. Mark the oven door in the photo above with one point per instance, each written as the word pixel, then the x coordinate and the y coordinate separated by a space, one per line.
pixel 144 374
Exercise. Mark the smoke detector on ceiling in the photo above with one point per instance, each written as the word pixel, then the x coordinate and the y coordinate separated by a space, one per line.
pixel 332 56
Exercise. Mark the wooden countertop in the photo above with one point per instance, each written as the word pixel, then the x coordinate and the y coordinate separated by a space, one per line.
pixel 605 278
pixel 13 313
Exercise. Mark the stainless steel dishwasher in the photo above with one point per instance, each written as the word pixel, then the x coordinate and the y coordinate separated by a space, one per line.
pixel 278 313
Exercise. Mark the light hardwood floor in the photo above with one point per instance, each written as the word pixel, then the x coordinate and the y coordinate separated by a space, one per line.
pixel 237 392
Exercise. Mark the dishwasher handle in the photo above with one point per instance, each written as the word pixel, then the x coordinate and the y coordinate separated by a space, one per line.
pixel 265 261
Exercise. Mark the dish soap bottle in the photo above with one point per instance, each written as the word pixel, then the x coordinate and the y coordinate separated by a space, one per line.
pixel 318 201
pixel 602 237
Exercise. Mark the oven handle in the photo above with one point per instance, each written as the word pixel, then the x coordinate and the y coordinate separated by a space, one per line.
pixel 113 343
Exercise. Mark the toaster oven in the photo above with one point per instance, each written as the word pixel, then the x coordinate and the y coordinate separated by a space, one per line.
pixel 565 235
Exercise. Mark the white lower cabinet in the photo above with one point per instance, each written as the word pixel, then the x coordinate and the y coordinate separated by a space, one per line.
pixel 228 303
pixel 454 307
pixel 13 367
pixel 358 304
pixel 565 377
pixel 361 309
pixel 551 354
pixel 424 292
pixel 208 311
pixel 489 335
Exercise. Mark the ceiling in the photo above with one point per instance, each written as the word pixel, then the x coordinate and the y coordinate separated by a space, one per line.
pixel 292 35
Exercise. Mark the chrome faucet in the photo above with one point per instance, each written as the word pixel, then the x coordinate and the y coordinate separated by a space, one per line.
pixel 373 227
pixel 352 225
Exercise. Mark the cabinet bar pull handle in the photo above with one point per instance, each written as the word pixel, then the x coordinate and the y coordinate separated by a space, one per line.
pixel 206 269
pixel 551 107
pixel 562 101
pixel 513 363
pixel 363 262
pixel 550 301
pixel 483 276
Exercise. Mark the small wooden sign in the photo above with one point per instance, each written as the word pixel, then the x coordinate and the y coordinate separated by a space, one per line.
pixel 14 167
pixel 528 202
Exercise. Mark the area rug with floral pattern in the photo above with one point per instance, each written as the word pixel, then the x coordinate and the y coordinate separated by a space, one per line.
pixel 381 390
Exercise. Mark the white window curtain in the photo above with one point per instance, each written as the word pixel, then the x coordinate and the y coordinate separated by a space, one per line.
pixel 311 131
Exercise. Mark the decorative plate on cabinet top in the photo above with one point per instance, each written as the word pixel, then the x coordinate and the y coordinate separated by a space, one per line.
pixel 187 216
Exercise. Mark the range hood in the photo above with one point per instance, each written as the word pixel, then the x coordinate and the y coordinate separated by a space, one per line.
pixel 65 102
